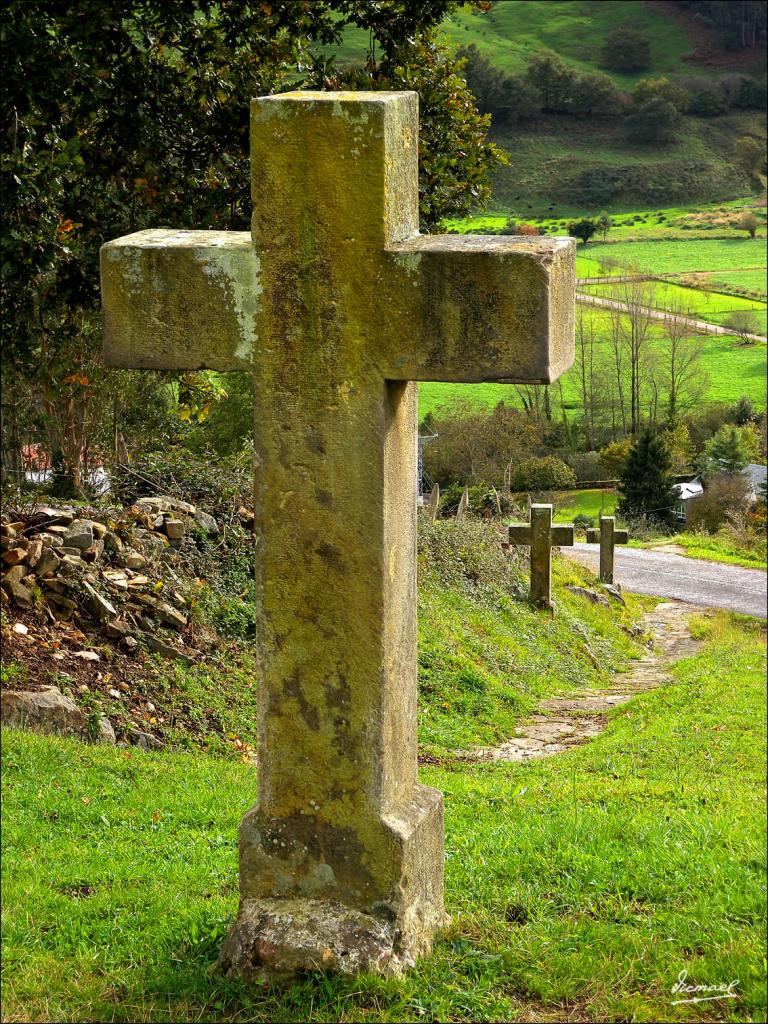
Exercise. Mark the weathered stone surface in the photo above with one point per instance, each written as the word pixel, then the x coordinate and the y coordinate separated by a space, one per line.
pixel 175 528
pixel 145 740
pixel 168 614
pixel 336 305
pixel 13 556
pixel 165 650
pixel 588 595
pixel 49 560
pixel 49 710
pixel 18 592
pixel 207 523
pixel 97 604
pixel 15 574
pixel 607 536
pixel 79 534
pixel 274 938
pixel 34 553
pixel 541 536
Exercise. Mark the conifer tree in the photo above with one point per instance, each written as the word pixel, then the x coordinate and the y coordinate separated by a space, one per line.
pixel 646 486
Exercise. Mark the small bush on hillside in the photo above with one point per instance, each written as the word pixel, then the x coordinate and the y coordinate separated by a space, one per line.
pixel 587 466
pixel 542 474
pixel 583 521
pixel 625 49
pixel 654 121
pixel 726 495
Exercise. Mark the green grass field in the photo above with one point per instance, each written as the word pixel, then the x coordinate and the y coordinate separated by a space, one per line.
pixel 591 501
pixel 579 887
pixel 671 256
pixel 739 281
pixel 713 307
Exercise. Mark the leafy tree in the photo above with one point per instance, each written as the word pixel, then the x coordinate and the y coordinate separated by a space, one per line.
pixel 677 441
pixel 614 456
pixel 508 98
pixel 542 474
pixel 725 495
pixel 121 117
pixel 660 88
pixel 583 229
pixel 748 222
pixel 646 486
pixel 592 93
pixel 724 453
pixel 743 411
pixel 750 155
pixel 654 121
pixel 625 49
pixel 553 79
pixel 604 224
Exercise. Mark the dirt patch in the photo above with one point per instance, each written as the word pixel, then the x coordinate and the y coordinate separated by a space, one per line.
pixel 577 718
pixel 707 51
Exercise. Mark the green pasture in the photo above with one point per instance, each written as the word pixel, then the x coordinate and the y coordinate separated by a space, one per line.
pixel 674 256
pixel 754 281
pixel 714 307
pixel 731 370
pixel 509 33
pixel 592 502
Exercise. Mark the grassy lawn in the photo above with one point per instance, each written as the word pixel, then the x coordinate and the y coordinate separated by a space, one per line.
pixel 714 548
pixel 740 280
pixel 579 887
pixel 678 257
pixel 714 307
pixel 589 502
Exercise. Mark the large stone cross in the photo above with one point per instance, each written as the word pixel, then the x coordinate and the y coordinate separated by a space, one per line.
pixel 336 304
pixel 607 537
pixel 541 536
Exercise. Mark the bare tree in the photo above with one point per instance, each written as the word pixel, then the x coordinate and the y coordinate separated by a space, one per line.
pixel 681 372
pixel 585 364
pixel 744 323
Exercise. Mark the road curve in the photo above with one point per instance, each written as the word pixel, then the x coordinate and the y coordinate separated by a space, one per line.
pixel 662 574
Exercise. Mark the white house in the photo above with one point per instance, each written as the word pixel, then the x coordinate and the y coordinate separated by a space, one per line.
pixel 685 492
pixel 755 475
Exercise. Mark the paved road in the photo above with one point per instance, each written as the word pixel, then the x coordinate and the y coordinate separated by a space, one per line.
pixel 660 314
pixel 660 573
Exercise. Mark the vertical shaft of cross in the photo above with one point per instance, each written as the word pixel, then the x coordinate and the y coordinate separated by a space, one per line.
pixel 540 535
pixel 608 537
pixel 541 556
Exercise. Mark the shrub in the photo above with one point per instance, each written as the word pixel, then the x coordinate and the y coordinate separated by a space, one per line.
pixel 587 466
pixel 542 474
pixel 725 495
pixel 583 521
pixel 660 88
pixel 625 49
pixel 527 229
pixel 614 457
pixel 748 222
pixel 583 229
pixel 654 121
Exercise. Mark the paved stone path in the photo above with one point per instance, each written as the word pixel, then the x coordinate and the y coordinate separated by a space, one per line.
pixel 694 580
pixel 578 717
pixel 660 314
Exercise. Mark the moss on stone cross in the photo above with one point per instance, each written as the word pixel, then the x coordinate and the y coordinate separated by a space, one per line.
pixel 607 536
pixel 541 536
pixel 337 305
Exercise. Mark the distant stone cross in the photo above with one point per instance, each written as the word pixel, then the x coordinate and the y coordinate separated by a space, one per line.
pixel 336 304
pixel 607 537
pixel 541 536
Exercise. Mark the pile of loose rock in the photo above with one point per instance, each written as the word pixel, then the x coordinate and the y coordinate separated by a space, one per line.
pixel 112 573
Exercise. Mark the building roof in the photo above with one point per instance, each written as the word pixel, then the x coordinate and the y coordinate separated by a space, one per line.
pixel 756 474
pixel 689 489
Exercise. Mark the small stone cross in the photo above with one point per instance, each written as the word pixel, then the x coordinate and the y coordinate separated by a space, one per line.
pixel 337 305
pixel 541 536
pixel 607 537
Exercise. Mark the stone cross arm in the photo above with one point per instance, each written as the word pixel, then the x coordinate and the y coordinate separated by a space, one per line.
pixel 335 247
pixel 541 536
pixel 560 535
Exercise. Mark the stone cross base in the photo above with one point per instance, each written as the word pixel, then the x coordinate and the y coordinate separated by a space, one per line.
pixel 310 931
